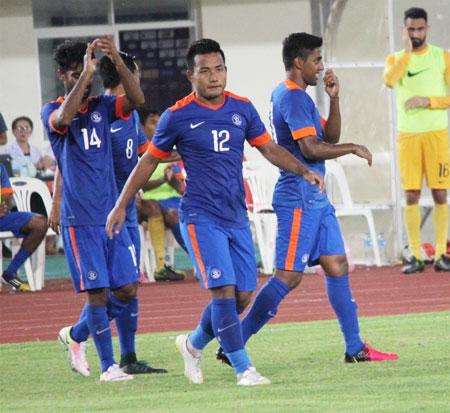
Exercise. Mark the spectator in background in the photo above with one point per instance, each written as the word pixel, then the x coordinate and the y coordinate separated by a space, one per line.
pixel 422 69
pixel 27 159
pixel 3 129
pixel 159 204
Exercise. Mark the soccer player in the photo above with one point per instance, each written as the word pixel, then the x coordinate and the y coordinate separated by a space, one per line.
pixel 128 141
pixel 209 128
pixel 422 69
pixel 79 131
pixel 27 225
pixel 308 231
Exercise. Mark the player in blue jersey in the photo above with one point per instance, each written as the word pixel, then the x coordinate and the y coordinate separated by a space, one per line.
pixel 29 226
pixel 209 128
pixel 308 231
pixel 79 131
pixel 128 140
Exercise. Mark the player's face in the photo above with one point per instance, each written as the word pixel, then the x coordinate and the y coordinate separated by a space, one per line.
pixel 208 77
pixel 150 126
pixel 22 131
pixel 312 67
pixel 417 31
pixel 70 78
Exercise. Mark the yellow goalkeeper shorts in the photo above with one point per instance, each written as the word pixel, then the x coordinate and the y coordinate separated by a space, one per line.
pixel 422 154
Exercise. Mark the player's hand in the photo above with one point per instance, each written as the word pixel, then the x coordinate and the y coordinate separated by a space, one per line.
pixel 407 43
pixel 315 179
pixel 168 173
pixel 115 220
pixel 54 220
pixel 363 152
pixel 417 102
pixel 331 83
pixel 107 46
pixel 90 62
pixel 3 209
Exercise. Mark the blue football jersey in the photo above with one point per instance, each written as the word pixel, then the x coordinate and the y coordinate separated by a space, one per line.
pixel 128 141
pixel 210 140
pixel 84 155
pixel 4 181
pixel 295 116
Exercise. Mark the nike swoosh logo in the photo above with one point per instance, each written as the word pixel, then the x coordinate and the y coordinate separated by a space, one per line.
pixel 271 314
pixel 98 332
pixel 75 119
pixel 219 330
pixel 411 74
pixel 134 314
pixel 195 125
pixel 115 130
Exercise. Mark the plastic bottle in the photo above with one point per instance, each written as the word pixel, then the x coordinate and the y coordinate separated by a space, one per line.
pixel 382 247
pixel 368 251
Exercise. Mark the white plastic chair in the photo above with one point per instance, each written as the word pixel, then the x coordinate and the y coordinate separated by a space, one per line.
pixel 24 188
pixel 348 208
pixel 261 177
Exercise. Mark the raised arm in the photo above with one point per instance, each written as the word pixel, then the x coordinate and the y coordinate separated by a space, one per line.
pixel 65 113
pixel 395 67
pixel 332 127
pixel 139 176
pixel 54 219
pixel 134 97
pixel 282 158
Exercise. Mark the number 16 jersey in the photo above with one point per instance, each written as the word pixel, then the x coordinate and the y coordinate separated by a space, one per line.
pixel 210 140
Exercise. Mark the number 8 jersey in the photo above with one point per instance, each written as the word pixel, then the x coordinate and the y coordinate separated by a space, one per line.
pixel 83 152
pixel 210 140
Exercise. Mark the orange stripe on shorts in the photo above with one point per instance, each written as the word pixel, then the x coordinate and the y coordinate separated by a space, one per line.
pixel 293 239
pixel 198 256
pixel 73 241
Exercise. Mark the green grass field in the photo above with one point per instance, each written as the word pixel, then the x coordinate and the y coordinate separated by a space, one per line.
pixel 303 360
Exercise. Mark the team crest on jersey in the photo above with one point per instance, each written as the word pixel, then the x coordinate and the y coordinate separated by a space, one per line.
pixel 305 258
pixel 236 119
pixel 215 273
pixel 96 117
pixel 92 275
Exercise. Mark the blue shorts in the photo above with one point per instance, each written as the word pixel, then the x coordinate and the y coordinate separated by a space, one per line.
pixel 95 261
pixel 136 240
pixel 170 203
pixel 222 255
pixel 304 235
pixel 14 222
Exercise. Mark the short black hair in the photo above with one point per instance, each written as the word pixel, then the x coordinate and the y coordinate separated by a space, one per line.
pixel 18 119
pixel 299 45
pixel 202 46
pixel 108 71
pixel 145 113
pixel 69 54
pixel 416 13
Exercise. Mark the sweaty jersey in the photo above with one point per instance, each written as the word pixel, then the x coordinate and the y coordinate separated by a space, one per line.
pixel 210 140
pixel 84 155
pixel 128 141
pixel 295 116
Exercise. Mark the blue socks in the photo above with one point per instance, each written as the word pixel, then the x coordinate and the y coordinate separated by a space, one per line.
pixel 346 309
pixel 126 323
pixel 204 333
pixel 100 329
pixel 227 329
pixel 80 330
pixel 15 264
pixel 265 307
